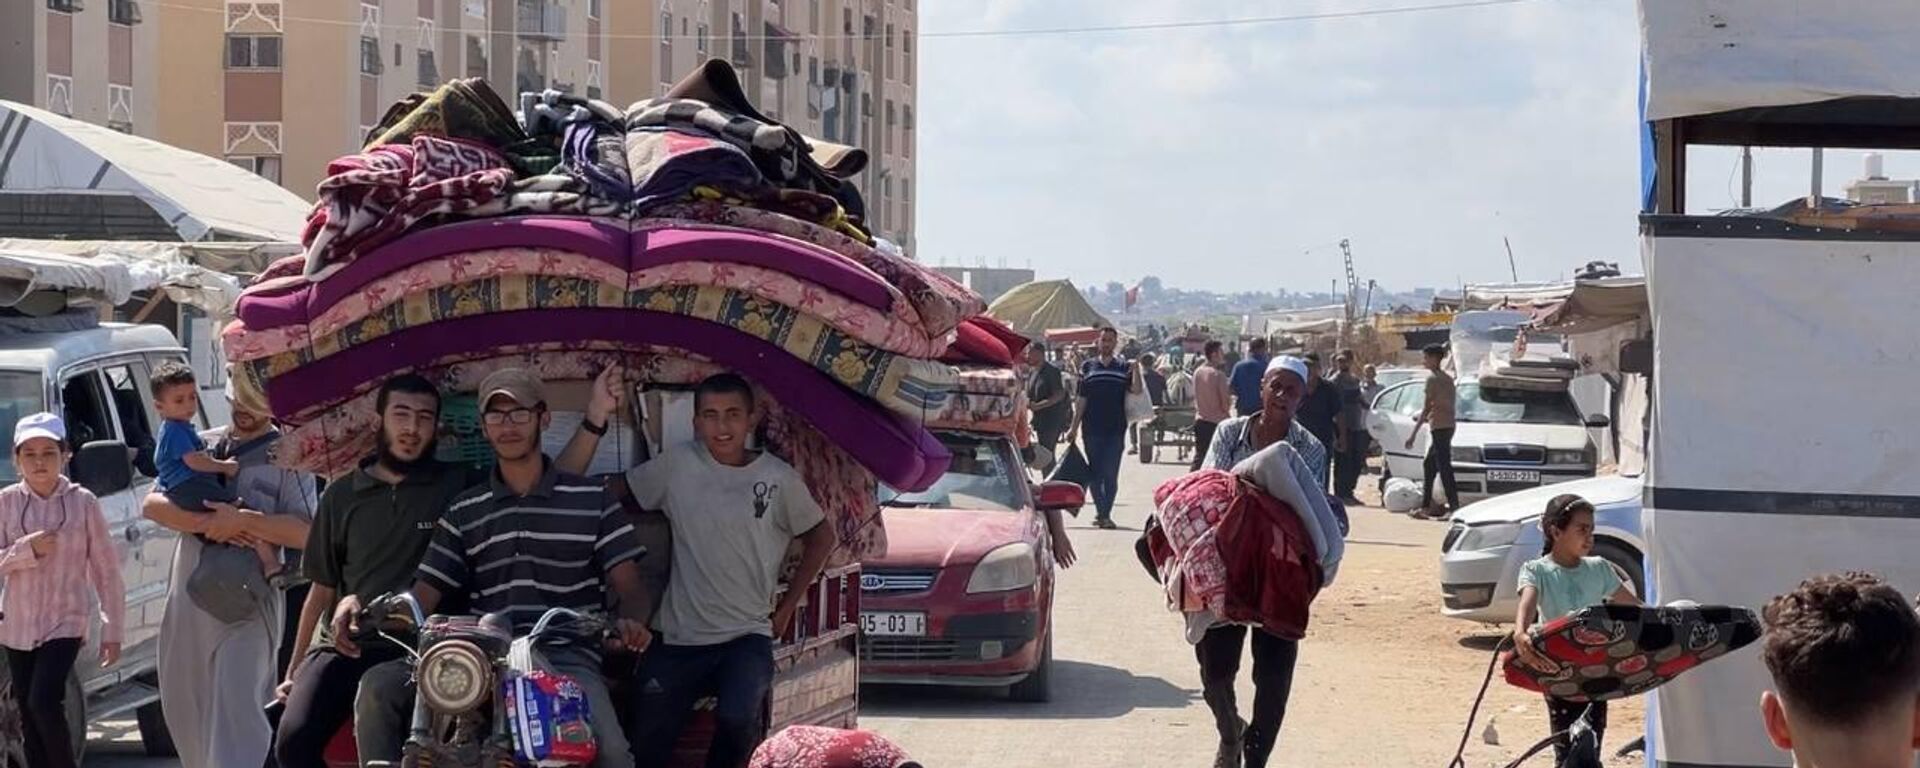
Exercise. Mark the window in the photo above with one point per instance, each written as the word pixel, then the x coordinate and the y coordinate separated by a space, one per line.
pixel 683 27
pixel 476 57
pixel 396 54
pixel 429 70
pixel 127 387
pixel 84 406
pixel 593 79
pixel 64 6
pixel 253 51
pixel 700 41
pixel 846 18
pixel 123 12
pixel 889 37
pixel 593 8
pixel 666 45
pixel 813 16
pixel 370 63
pixel 20 395
pixel 983 476
pixel 264 166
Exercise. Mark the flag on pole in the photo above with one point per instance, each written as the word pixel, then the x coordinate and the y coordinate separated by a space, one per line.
pixel 1133 296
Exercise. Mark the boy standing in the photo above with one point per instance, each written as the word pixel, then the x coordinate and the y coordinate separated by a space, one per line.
pixel 1844 652
pixel 190 478
pixel 733 512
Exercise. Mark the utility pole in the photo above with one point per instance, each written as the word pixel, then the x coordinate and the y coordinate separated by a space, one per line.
pixel 1819 171
pixel 1746 177
pixel 1511 268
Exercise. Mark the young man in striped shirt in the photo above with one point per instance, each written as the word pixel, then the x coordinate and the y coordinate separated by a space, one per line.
pixel 529 539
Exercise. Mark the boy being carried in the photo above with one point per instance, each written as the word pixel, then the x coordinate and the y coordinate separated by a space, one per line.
pixel 190 478
pixel 1844 652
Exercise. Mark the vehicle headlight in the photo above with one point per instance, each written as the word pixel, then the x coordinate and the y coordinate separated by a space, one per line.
pixel 1481 537
pixel 455 677
pixel 1566 457
pixel 1005 569
pixel 1467 454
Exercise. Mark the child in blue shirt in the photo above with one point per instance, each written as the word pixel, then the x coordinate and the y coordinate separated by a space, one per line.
pixel 190 478
pixel 1566 579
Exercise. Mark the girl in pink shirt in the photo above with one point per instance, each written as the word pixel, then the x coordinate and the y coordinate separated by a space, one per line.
pixel 53 546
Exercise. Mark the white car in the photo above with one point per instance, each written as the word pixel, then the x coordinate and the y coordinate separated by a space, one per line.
pixel 1489 541
pixel 1505 441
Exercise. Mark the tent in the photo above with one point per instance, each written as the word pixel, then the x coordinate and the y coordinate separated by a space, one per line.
pixel 1037 307
pixel 1749 488
pixel 61 177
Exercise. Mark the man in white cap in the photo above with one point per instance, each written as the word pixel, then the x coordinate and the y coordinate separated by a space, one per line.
pixel 1282 388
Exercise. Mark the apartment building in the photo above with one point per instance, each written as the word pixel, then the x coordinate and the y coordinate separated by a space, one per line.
pixel 281 88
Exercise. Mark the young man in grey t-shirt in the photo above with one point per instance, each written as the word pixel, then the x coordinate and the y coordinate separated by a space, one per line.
pixel 733 513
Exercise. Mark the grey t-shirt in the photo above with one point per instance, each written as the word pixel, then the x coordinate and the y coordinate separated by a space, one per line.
pixel 731 529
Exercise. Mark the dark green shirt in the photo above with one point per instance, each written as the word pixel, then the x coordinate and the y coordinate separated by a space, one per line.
pixel 369 535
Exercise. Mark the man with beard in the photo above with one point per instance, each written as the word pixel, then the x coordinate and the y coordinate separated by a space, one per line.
pixel 368 538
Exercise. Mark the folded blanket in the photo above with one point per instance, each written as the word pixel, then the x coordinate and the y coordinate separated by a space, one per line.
pixel 1279 470
pixel 467 109
pixel 665 165
pixel 1231 552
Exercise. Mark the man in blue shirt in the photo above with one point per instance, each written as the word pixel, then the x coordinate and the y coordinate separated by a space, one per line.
pixel 1100 417
pixel 1246 378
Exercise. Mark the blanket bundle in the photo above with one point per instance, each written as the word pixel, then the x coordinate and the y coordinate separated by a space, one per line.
pixel 676 239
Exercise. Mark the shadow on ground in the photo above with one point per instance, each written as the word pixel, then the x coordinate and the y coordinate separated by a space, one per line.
pixel 1482 642
pixel 1081 691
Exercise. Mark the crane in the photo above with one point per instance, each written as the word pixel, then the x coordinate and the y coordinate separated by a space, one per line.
pixel 1353 290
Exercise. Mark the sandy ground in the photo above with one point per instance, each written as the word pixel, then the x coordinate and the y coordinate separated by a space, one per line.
pixel 1383 678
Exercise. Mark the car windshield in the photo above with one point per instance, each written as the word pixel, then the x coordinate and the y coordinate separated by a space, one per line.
pixel 21 394
pixel 980 478
pixel 1512 406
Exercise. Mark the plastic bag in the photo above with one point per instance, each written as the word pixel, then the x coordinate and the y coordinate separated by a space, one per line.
pixel 1072 467
pixel 1139 407
pixel 549 718
pixel 1402 495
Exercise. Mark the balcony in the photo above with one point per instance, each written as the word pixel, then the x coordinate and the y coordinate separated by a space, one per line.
pixel 542 20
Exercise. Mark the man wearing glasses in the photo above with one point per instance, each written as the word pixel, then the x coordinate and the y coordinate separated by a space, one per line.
pixel 530 538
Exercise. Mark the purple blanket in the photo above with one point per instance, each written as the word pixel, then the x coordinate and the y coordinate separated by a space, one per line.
pixel 899 453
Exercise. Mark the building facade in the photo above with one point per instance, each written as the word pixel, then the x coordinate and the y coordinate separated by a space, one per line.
pixel 281 88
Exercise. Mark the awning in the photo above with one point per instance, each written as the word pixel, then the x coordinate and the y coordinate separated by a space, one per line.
pixel 1037 307
pixel 190 195
pixel 238 259
pixel 1595 305
pixel 36 281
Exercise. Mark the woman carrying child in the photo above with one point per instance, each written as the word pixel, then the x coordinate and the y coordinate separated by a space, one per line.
pixel 53 547
pixel 1566 579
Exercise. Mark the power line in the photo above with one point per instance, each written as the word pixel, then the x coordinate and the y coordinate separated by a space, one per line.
pixel 1061 31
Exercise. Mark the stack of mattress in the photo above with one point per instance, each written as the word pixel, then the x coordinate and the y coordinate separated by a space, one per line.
pixel 677 239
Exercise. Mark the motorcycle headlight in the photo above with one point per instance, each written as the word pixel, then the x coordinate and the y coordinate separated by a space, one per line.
pixel 1481 537
pixel 455 677
pixel 1005 569
pixel 1566 457
pixel 1466 454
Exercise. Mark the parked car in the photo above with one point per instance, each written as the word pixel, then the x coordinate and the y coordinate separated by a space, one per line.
pixel 1387 377
pixel 964 595
pixel 1506 440
pixel 1489 541
pixel 97 379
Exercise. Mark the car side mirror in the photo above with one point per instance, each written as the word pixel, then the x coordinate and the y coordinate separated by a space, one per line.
pixel 104 467
pixel 1057 495
pixel 1599 421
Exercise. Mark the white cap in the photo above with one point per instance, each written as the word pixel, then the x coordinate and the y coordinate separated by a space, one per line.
pixel 1290 364
pixel 39 425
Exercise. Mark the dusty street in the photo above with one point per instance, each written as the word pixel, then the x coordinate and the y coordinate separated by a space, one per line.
pixel 1383 679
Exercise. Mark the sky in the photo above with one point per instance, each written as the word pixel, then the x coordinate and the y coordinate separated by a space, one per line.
pixel 1236 157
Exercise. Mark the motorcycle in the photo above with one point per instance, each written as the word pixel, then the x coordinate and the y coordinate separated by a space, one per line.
pixel 461 715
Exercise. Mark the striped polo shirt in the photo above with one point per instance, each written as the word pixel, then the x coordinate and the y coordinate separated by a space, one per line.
pixel 1104 385
pixel 521 555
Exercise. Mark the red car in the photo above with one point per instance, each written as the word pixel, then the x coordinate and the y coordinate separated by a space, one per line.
pixel 964 595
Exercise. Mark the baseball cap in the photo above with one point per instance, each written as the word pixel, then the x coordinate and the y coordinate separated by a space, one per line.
pixel 1290 364
pixel 517 383
pixel 39 425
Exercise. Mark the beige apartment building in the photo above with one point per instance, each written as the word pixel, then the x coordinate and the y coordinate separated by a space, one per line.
pixel 283 86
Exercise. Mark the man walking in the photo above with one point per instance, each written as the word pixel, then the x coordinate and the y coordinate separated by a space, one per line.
pixel 1100 420
pixel 216 676
pixel 1046 398
pixel 530 538
pixel 1438 415
pixel 1156 384
pixel 1350 444
pixel 1212 397
pixel 1320 411
pixel 1246 378
pixel 1369 385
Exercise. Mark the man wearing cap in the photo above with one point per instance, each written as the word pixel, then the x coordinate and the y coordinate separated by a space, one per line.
pixel 1282 388
pixel 530 538
pixel 368 537
pixel 216 676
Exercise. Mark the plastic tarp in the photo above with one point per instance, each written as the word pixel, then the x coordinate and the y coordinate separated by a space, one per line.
pixel 243 259
pixel 109 278
pixel 1707 56
pixel 1752 487
pixel 201 197
pixel 1037 307
pixel 1594 305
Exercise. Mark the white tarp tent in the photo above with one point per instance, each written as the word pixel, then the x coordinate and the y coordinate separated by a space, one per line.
pixel 200 197
pixel 1751 488
pixel 1708 56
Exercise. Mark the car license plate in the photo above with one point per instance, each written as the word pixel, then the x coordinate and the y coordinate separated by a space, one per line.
pixel 880 624
pixel 1513 476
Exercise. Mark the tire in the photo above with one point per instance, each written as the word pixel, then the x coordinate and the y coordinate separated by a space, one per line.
pixel 1625 562
pixel 155 739
pixel 1038 687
